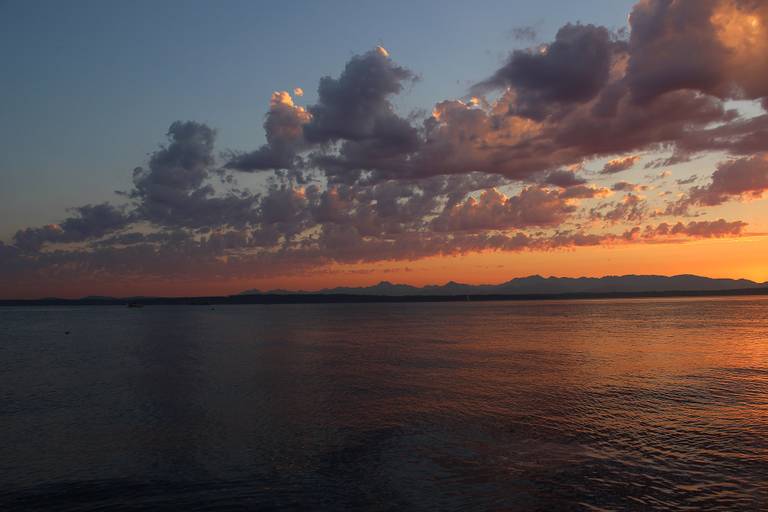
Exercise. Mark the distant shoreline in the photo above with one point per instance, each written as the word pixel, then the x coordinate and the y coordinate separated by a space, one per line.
pixel 310 298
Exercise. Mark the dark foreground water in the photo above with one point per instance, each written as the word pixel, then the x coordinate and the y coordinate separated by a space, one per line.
pixel 583 405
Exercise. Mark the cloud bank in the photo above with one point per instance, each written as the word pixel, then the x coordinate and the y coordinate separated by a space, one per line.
pixel 349 179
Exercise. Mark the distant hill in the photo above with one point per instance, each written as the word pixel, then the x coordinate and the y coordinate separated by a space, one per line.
pixel 522 288
pixel 536 284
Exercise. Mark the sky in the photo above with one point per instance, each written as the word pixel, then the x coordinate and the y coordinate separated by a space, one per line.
pixel 194 148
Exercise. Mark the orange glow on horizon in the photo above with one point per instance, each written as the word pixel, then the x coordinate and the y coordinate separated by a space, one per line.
pixel 718 258
pixel 726 258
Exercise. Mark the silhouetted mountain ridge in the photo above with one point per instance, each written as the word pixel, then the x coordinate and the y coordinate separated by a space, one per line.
pixel 537 284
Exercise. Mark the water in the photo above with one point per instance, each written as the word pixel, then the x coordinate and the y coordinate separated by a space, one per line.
pixel 581 405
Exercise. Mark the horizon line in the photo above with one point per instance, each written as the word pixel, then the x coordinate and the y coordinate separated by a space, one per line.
pixel 329 290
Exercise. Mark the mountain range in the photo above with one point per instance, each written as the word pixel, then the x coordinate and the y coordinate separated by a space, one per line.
pixel 541 285
pixel 522 288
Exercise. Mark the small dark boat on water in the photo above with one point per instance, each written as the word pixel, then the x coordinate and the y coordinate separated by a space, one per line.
pixel 135 305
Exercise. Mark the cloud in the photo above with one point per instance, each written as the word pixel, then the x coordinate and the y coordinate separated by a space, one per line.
pixel 572 69
pixel 631 208
pixel 355 110
pixel 697 229
pixel 563 179
pixel 173 191
pixel 533 206
pixel 90 221
pixel 222 256
pixel 623 186
pixel 584 192
pixel 742 178
pixel 563 103
pixel 284 128
pixel 687 181
pixel 620 164
pixel 717 47
pixel 349 179
pixel 355 106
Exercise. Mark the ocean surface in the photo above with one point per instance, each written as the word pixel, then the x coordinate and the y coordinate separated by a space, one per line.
pixel 640 404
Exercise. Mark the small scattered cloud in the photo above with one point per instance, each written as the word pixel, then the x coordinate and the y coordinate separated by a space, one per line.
pixel 620 164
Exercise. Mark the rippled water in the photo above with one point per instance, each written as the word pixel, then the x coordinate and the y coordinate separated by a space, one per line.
pixel 582 405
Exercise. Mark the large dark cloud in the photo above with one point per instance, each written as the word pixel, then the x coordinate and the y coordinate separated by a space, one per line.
pixel 569 101
pixel 674 46
pixel 356 105
pixel 714 46
pixel 461 137
pixel 355 109
pixel 174 191
pixel 572 69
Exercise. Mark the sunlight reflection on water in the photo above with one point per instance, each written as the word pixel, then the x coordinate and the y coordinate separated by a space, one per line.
pixel 647 404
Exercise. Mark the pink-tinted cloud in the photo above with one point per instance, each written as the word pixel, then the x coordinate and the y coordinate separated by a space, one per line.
pixel 631 208
pixel 534 206
pixel 742 178
pixel 696 229
pixel 717 47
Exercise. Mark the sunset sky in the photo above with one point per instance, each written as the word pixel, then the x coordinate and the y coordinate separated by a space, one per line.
pixel 195 148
